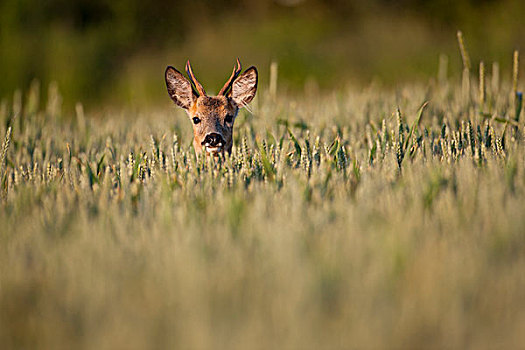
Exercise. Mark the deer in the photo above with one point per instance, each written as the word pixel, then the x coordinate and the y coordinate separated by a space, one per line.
pixel 213 117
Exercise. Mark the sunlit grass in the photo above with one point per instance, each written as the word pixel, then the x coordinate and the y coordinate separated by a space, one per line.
pixel 354 219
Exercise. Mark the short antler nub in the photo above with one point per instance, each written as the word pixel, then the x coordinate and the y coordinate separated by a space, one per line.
pixel 198 85
pixel 235 74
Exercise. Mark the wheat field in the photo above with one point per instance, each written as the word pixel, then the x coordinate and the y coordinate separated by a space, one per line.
pixel 366 217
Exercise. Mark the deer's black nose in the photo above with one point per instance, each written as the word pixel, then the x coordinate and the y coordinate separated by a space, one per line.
pixel 214 140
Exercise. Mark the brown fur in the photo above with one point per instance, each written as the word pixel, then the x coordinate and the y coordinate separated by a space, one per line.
pixel 212 111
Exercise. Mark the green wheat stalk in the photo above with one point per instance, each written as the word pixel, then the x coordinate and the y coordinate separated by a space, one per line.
pixel 482 91
pixel 515 72
pixel 3 155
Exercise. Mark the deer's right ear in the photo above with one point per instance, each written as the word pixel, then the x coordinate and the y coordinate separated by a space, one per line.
pixel 244 87
pixel 179 88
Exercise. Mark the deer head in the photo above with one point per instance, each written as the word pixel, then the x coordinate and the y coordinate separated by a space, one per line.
pixel 212 116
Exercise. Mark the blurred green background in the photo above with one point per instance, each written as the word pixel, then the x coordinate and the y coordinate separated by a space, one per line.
pixel 114 52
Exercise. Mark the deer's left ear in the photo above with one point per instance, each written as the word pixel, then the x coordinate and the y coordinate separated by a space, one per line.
pixel 244 87
pixel 179 88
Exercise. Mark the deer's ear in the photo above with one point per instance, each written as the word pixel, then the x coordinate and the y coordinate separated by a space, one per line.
pixel 244 87
pixel 179 88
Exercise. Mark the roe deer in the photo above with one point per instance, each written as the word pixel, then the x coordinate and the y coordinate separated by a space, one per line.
pixel 212 116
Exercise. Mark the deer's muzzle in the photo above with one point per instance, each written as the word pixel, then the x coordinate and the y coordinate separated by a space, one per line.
pixel 213 142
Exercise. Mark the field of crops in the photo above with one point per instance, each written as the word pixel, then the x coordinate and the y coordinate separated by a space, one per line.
pixel 364 217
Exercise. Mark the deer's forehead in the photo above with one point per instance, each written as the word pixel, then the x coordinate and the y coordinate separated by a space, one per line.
pixel 206 105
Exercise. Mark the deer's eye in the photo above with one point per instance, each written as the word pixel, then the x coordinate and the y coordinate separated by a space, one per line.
pixel 229 118
pixel 196 120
